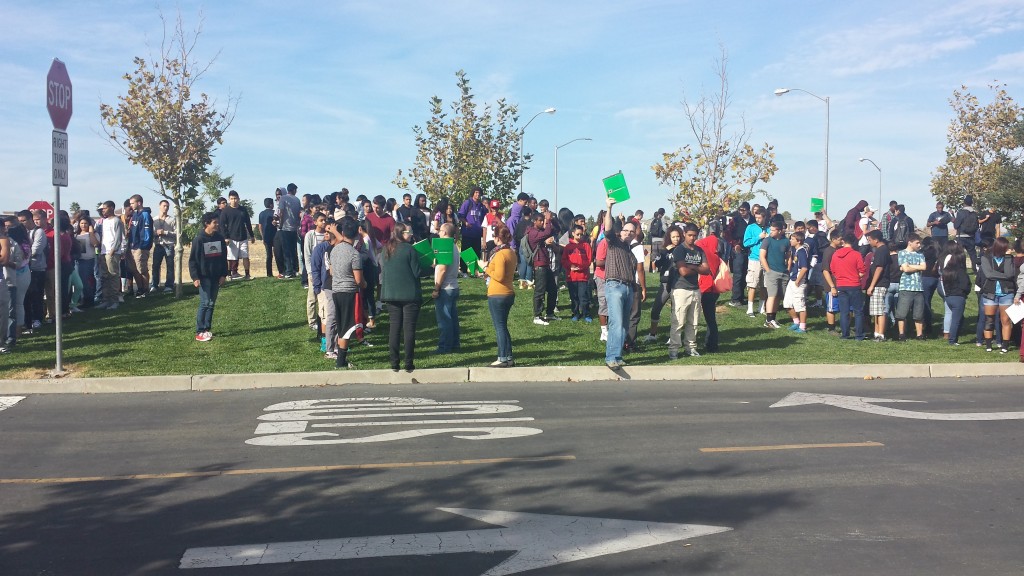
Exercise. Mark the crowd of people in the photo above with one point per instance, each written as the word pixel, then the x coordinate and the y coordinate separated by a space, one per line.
pixel 358 262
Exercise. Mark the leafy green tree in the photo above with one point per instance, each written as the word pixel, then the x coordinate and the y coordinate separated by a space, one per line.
pixel 720 170
pixel 980 140
pixel 1008 196
pixel 74 207
pixel 161 126
pixel 466 147
pixel 214 185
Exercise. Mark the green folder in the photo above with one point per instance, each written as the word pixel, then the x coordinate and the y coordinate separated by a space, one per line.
pixel 470 257
pixel 817 205
pixel 426 253
pixel 444 250
pixel 615 187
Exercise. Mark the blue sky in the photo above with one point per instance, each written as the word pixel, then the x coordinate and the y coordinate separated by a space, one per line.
pixel 330 90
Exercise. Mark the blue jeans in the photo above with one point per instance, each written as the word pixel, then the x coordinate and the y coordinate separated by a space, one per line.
pixel 500 306
pixel 739 276
pixel 163 257
pixel 851 299
pixel 87 272
pixel 525 268
pixel 208 289
pixel 446 309
pixel 892 294
pixel 955 306
pixel 579 297
pixel 619 297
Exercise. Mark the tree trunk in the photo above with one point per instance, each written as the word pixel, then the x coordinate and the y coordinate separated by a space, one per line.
pixel 179 249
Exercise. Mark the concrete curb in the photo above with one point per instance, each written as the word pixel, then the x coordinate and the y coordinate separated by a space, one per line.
pixel 212 382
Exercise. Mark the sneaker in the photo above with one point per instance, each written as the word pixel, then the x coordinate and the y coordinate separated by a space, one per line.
pixel 978 344
pixel 575 318
pixel 794 327
pixel 140 295
pixel 331 355
pixel 5 350
pixel 988 347
pixel 673 355
pixel 36 324
pixel 751 315
pixel 247 277
pixel 236 276
pixel 604 337
pixel 76 310
pixel 499 364
pixel 879 338
pixel 613 365
pixel 540 321
pixel 771 324
pixel 366 343
pixel 734 304
pixel 168 290
pixel 1004 350
pixel 693 353
pixel 799 330
pixel 281 276
pixel 650 338
pixel 203 337
pixel 588 319
pixel 922 338
pixel 152 289
pixel 551 318
pixel 113 306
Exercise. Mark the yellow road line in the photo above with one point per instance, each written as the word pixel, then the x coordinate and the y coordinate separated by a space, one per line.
pixel 293 470
pixel 791 447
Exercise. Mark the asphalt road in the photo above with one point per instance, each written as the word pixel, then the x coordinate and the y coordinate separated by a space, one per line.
pixel 879 494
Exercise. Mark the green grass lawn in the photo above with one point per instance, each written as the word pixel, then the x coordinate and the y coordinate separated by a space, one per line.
pixel 260 326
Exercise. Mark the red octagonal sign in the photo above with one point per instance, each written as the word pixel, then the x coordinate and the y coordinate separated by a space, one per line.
pixel 58 95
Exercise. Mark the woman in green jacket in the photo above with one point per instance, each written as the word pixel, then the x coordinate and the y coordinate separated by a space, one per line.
pixel 401 291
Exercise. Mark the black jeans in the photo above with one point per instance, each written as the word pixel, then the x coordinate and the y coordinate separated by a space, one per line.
pixel 289 248
pixel 35 299
pixel 268 246
pixel 708 301
pixel 402 318
pixel 739 276
pixel 968 244
pixel 544 283
pixel 163 256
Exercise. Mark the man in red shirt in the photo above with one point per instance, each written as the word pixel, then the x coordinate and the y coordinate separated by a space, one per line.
pixel 381 222
pixel 847 268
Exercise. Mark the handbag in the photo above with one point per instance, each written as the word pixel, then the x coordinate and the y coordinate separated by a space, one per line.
pixel 723 280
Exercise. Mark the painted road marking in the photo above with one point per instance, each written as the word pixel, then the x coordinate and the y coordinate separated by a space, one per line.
pixel 539 540
pixel 8 401
pixel 292 470
pixel 301 422
pixel 868 405
pixel 792 447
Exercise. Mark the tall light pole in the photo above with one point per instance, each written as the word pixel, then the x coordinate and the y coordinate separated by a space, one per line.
pixel 780 92
pixel 879 180
pixel 522 133
pixel 556 166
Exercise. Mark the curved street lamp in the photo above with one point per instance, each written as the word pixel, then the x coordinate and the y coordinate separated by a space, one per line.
pixel 780 92
pixel 522 133
pixel 556 166
pixel 879 179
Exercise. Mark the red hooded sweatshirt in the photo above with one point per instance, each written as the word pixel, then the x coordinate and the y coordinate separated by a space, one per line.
pixel 847 267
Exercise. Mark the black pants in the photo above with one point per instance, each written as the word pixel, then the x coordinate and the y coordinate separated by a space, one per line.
pixel 163 257
pixel 634 318
pixel 968 244
pixel 289 248
pixel 402 318
pixel 739 276
pixel 279 253
pixel 544 284
pixel 708 301
pixel 473 242
pixel 35 299
pixel 268 246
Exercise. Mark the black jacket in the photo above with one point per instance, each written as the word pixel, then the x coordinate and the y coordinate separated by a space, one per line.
pixel 209 257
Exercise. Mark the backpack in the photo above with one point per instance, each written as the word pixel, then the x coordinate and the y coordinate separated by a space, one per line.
pixel 900 232
pixel 970 223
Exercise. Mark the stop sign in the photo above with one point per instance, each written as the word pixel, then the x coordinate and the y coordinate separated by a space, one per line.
pixel 42 205
pixel 58 95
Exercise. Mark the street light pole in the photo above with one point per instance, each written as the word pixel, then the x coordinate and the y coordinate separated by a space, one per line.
pixel 556 166
pixel 780 92
pixel 522 134
pixel 879 180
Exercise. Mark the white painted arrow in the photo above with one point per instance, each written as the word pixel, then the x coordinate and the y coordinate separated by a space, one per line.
pixel 8 401
pixel 539 540
pixel 868 405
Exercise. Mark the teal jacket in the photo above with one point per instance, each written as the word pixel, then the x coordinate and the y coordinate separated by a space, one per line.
pixel 401 275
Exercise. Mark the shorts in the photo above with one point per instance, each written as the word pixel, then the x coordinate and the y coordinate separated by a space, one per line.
pixel 345 313
pixel 775 283
pixel 238 249
pixel 1004 300
pixel 831 303
pixel 796 297
pixel 602 303
pixel 877 305
pixel 910 302
pixel 755 276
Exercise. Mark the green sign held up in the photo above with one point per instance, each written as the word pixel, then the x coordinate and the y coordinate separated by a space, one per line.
pixel 615 187
pixel 817 205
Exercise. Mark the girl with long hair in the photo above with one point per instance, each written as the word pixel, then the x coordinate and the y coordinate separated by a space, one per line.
pixel 401 291
pixel 955 286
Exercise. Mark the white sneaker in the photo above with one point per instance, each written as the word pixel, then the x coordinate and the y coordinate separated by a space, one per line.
pixel 540 321
pixel 604 337
pixel 650 338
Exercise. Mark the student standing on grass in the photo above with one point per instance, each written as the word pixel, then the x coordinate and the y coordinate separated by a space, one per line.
pixel 912 264
pixel 402 293
pixel 711 245
pixel 663 261
pixel 346 268
pixel 314 236
pixel 576 260
pixel 690 261
pixel 111 248
pixel 774 257
pixel 501 268
pixel 446 300
pixel 619 283
pixel 956 286
pixel 847 269
pixel 878 283
pixel 236 227
pixel 753 236
pixel 795 299
pixel 541 241
pixel 268 229
pixel 166 229
pixel 208 266
pixel 997 292
pixel 320 280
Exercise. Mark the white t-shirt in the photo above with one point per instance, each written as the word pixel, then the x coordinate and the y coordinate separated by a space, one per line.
pixel 638 253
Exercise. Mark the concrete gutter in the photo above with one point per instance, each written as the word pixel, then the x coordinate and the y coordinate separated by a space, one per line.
pixel 211 382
